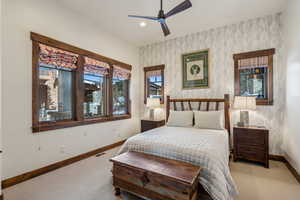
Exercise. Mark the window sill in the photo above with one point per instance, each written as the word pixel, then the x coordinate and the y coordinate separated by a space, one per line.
pixel 106 119
pixel 47 126
pixel 264 102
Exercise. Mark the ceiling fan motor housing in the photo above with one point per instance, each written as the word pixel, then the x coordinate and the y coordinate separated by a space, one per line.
pixel 161 14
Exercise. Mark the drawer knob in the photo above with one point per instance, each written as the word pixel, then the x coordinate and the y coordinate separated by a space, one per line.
pixel 145 180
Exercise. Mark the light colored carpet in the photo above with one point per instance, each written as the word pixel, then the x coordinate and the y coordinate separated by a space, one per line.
pixel 90 179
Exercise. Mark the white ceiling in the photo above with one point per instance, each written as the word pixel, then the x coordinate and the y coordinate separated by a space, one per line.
pixel 111 15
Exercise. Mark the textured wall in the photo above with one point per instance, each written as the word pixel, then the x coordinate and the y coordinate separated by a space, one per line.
pixel 46 17
pixel 292 56
pixel 223 42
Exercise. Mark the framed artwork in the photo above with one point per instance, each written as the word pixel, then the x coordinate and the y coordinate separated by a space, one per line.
pixel 195 70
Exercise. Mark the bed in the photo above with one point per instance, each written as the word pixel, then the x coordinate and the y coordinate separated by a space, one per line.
pixel 204 147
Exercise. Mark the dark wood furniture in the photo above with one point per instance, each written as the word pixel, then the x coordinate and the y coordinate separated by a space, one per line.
pixel 155 177
pixel 160 68
pixel 151 124
pixel 255 54
pixel 251 143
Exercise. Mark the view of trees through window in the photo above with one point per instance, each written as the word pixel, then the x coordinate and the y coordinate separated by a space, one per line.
pixel 56 94
pixel 120 89
pixel 253 82
pixel 154 82
pixel 155 86
pixel 93 95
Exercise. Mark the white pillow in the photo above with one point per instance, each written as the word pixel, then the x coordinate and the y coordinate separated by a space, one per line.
pixel 209 119
pixel 181 118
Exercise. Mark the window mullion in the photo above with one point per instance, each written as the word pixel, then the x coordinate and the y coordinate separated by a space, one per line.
pixel 128 102
pixel 79 89
pixel 110 92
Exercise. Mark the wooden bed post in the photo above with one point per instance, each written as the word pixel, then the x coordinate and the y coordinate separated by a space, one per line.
pixel 227 117
pixel 227 114
pixel 167 108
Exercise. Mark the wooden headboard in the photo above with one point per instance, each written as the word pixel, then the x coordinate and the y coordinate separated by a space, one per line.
pixel 209 104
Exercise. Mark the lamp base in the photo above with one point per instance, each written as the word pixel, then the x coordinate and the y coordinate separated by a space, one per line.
pixel 244 118
pixel 151 114
pixel 240 124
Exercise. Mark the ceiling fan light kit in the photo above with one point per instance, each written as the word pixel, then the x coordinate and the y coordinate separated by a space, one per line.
pixel 161 17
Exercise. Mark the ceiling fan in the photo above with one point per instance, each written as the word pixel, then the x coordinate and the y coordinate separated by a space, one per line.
pixel 161 18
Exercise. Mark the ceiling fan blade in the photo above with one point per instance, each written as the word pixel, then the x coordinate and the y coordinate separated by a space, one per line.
pixel 181 7
pixel 165 28
pixel 143 17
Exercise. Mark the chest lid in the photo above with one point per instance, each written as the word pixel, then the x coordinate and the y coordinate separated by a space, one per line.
pixel 177 170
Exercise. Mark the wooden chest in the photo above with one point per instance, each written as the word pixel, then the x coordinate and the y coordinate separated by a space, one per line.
pixel 251 143
pixel 154 177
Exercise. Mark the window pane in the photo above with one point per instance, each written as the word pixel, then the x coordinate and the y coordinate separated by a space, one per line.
pixel 93 95
pixel 120 91
pixel 154 86
pixel 56 94
pixel 253 82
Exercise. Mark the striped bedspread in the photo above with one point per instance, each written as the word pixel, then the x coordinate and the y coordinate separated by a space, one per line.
pixel 202 147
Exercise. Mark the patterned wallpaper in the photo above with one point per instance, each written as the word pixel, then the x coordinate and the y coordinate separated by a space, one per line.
pixel 223 42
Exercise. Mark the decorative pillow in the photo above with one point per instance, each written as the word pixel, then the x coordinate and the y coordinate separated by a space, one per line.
pixel 181 118
pixel 209 119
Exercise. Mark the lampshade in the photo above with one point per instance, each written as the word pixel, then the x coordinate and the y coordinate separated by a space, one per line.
pixel 244 103
pixel 153 102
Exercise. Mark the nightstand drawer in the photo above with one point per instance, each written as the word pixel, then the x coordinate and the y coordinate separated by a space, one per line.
pixel 251 137
pixel 251 153
pixel 251 147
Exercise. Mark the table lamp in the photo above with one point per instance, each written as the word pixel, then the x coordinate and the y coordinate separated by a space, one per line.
pixel 152 103
pixel 244 104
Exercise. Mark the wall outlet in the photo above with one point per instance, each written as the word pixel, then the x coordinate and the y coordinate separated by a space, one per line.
pixel 62 149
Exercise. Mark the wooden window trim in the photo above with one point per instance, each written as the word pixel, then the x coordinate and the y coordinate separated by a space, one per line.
pixel 78 118
pixel 67 47
pixel 146 89
pixel 268 52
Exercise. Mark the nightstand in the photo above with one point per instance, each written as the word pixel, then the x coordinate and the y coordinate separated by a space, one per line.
pixel 151 124
pixel 251 143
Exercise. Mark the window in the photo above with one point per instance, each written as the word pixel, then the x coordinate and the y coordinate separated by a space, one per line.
pixel 56 68
pixel 56 94
pixel 73 87
pixel 254 75
pixel 119 96
pixel 95 88
pixel 94 95
pixel 120 85
pixel 154 82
